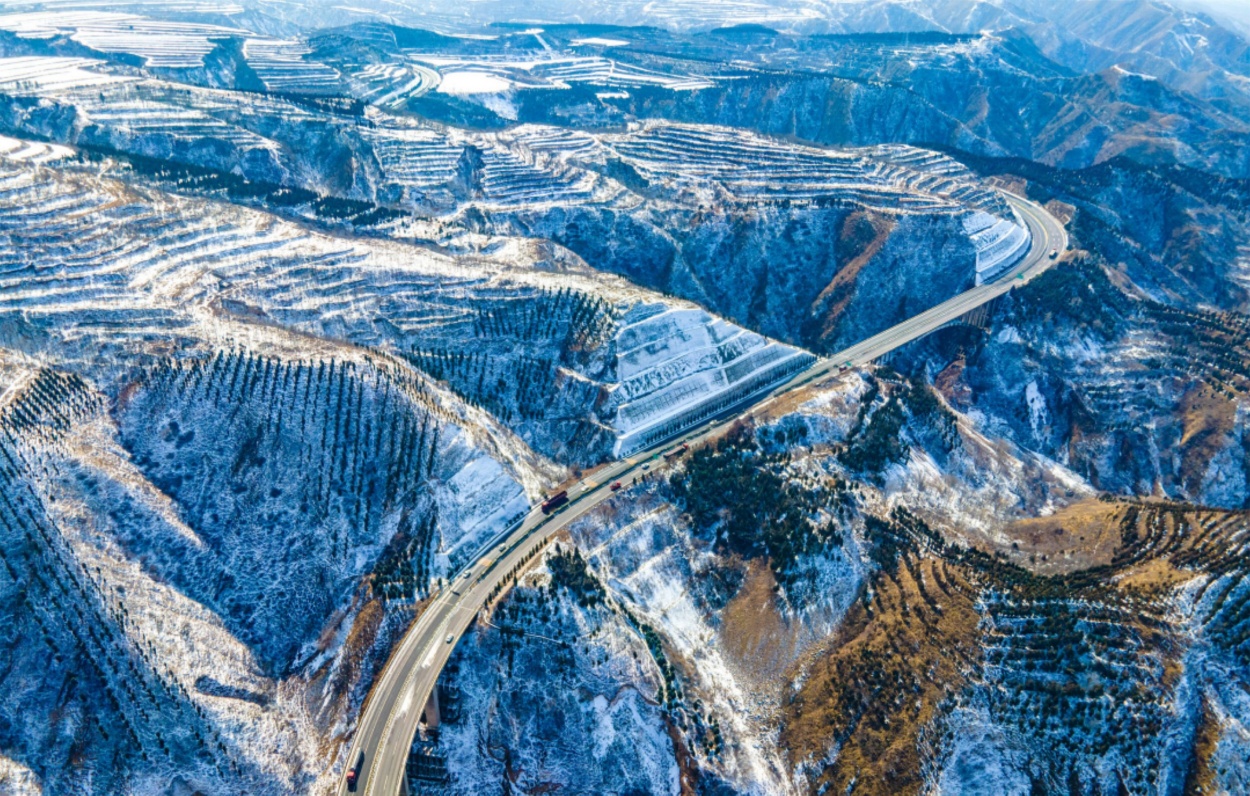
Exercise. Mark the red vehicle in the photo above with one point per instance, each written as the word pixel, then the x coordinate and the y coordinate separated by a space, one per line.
pixel 615 486
pixel 354 774
pixel 556 501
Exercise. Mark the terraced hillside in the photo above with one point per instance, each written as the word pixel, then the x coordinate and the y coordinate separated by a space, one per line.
pixel 662 204
pixel 300 308
pixel 133 265
pixel 1101 673
pixel 774 585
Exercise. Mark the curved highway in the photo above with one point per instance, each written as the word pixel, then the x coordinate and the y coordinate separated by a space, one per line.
pixel 389 718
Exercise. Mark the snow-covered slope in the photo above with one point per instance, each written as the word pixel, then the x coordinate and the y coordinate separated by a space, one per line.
pixel 97 263
pixel 887 636
pixel 664 204
pixel 678 366
pixel 292 321
pixel 220 635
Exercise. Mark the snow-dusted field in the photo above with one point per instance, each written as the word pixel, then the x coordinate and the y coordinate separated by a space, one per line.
pixel 281 66
pixel 494 75
pixel 160 261
pixel 159 43
pixel 671 363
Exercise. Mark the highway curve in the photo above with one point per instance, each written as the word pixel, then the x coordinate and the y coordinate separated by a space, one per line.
pixel 388 720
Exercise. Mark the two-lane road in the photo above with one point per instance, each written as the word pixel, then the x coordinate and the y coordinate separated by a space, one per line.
pixel 388 721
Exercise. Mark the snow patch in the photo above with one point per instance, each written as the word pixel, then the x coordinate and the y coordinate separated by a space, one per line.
pixel 595 41
pixel 18 780
pixel 461 83
pixel 1039 417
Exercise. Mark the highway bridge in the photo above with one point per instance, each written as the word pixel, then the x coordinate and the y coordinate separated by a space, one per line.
pixel 388 722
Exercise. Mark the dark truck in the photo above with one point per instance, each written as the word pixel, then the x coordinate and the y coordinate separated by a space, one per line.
pixel 555 501
pixel 353 776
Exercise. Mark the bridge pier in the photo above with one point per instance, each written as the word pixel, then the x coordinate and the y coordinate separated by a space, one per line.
pixel 432 716
pixel 979 316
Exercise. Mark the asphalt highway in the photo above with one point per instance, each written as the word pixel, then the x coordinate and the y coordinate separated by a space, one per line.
pixel 388 721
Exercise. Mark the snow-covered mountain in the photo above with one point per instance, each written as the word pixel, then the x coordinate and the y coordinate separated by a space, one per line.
pixel 300 308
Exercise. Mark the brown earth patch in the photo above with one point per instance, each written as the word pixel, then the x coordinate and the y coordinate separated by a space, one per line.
pixel 1061 210
pixel 1155 577
pixel 950 384
pixel 1082 535
pixel 1201 775
pixel 862 235
pixel 896 656
pixel 758 639
pixel 1207 418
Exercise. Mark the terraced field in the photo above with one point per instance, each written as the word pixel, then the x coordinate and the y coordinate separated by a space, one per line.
pixel 439 169
pixel 281 65
pixel 557 71
pixel 1065 678
pixel 755 167
pixel 32 75
pixel 161 44
pixel 391 85
pixel 415 157
pixel 101 265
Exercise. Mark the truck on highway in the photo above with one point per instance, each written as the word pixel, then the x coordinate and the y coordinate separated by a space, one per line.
pixel 675 452
pixel 487 563
pixel 353 774
pixel 555 501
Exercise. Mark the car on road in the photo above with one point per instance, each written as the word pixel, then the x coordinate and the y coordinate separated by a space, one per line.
pixel 353 775
pixel 1053 254
pixel 451 637
pixel 615 486
pixel 646 467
